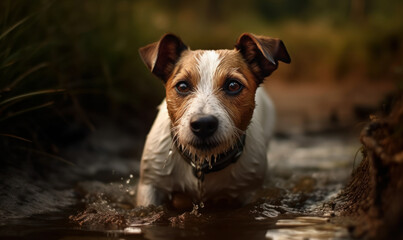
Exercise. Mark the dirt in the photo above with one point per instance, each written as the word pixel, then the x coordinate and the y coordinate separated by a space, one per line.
pixel 374 195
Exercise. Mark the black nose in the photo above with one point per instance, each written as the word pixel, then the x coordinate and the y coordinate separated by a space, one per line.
pixel 203 126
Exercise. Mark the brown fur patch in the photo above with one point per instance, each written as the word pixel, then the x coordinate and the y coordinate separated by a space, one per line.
pixel 185 70
pixel 240 107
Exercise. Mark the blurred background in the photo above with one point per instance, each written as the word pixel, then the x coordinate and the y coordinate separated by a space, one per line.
pixel 63 61
pixel 70 68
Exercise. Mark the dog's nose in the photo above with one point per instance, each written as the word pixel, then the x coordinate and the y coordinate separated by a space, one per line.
pixel 203 126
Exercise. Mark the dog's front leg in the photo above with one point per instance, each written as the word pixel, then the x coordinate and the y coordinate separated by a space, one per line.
pixel 147 195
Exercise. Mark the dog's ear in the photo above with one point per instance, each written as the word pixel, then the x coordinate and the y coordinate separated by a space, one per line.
pixel 161 57
pixel 262 53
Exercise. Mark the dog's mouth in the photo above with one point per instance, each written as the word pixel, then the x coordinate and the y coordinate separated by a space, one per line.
pixel 204 145
pixel 207 148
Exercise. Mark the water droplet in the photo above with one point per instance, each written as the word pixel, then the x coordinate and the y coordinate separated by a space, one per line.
pixel 131 175
pixel 195 210
pixel 199 174
pixel 128 181
pixel 168 158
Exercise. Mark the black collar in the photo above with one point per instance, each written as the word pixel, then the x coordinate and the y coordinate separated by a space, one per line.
pixel 222 161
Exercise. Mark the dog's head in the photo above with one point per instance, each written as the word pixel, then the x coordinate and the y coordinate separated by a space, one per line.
pixel 211 94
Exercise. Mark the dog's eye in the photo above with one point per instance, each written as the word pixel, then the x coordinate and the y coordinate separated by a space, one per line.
pixel 233 87
pixel 182 87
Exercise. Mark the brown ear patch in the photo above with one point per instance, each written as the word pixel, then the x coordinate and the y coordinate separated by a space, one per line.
pixel 148 54
pixel 160 57
pixel 262 53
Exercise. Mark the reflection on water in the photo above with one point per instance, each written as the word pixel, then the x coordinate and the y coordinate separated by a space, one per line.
pixel 298 229
pixel 306 227
pixel 306 172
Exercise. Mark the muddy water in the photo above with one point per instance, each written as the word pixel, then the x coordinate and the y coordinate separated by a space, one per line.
pixel 95 198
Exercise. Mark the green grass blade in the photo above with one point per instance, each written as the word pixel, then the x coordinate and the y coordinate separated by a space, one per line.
pixel 26 110
pixel 15 137
pixel 48 91
pixel 10 29
pixel 24 75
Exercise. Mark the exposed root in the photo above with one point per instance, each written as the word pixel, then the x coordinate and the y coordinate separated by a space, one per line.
pixel 375 193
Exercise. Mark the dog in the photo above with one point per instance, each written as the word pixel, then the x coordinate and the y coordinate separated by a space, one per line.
pixel 209 140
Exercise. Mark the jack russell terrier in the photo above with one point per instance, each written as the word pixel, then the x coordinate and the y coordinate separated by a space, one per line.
pixel 209 140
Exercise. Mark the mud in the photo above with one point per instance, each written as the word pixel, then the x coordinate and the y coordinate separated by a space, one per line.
pixel 306 171
pixel 374 194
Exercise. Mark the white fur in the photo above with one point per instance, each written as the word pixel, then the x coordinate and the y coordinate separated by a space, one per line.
pixel 207 64
pixel 205 101
pixel 163 173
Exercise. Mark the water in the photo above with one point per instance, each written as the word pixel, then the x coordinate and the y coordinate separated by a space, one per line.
pixel 94 199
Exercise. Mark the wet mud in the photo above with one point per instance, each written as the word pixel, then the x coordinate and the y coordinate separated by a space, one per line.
pixel 374 194
pixel 306 172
